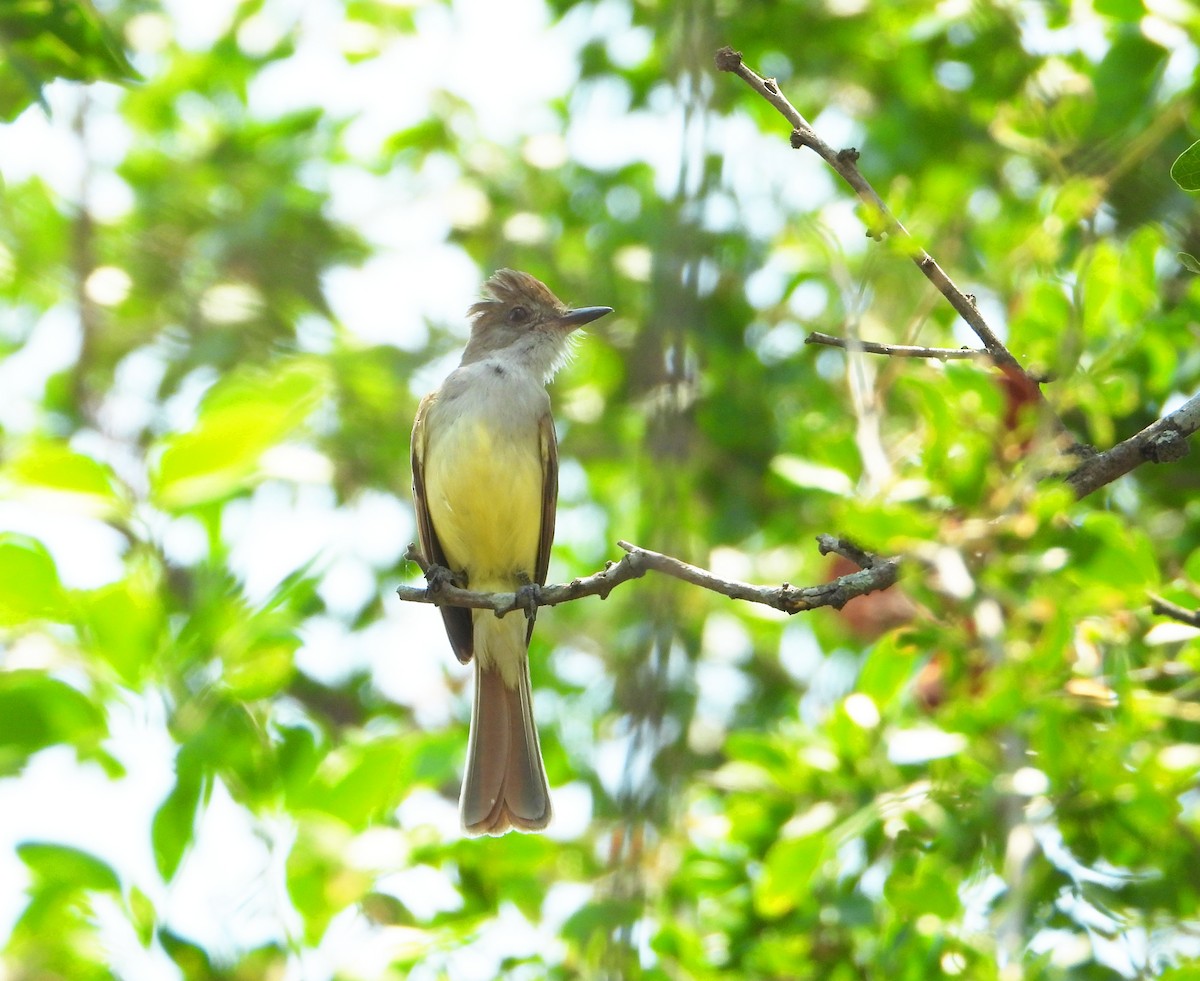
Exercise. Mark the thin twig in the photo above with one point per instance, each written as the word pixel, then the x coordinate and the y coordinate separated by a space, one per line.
pixel 899 350
pixel 1164 441
pixel 876 573
pixel 882 222
pixel 1164 607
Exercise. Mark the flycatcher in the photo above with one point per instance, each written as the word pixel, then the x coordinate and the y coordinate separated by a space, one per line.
pixel 485 484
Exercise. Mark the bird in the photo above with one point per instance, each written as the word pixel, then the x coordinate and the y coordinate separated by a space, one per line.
pixel 485 490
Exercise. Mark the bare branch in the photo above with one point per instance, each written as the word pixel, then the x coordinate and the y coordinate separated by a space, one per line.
pixel 899 350
pixel 844 162
pixel 1164 607
pixel 1164 441
pixel 876 573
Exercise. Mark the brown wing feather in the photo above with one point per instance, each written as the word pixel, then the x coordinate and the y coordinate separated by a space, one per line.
pixel 549 448
pixel 459 628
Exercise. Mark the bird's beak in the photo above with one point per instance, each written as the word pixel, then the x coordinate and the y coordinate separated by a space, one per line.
pixel 573 319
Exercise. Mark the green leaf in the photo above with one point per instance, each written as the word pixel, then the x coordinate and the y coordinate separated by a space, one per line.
pixel 174 824
pixel 1126 77
pixel 29 584
pixel 1192 566
pixel 48 39
pixel 1185 171
pixel 142 914
pixel 54 466
pixel 225 737
pixel 261 669
pixel 892 662
pixel 38 711
pixel 1113 558
pixel 360 782
pixel 1188 261
pixel 68 867
pixel 919 884
pixel 191 958
pixel 788 871
pixel 299 755
pixel 243 416
pixel 125 625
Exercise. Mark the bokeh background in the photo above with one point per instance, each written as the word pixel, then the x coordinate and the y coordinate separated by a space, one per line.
pixel 237 242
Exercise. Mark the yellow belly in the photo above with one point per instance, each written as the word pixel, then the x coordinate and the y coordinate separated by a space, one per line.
pixel 484 491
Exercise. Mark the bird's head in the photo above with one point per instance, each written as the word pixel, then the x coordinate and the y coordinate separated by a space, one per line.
pixel 519 313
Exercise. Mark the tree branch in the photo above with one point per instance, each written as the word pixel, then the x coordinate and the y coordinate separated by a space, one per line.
pixel 1164 607
pixel 899 350
pixel 876 573
pixel 1164 441
pixel 844 162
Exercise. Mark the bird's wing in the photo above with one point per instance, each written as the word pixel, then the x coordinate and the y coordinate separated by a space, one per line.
pixel 459 627
pixel 549 448
pixel 549 451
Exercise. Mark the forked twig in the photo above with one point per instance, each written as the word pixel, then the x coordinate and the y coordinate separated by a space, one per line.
pixel 883 222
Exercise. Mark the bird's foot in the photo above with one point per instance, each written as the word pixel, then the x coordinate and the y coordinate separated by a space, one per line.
pixel 529 598
pixel 438 576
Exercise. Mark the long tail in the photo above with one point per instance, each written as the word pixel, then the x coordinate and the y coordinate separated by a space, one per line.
pixel 504 786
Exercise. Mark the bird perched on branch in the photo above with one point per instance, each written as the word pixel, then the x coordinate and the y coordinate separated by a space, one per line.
pixel 485 485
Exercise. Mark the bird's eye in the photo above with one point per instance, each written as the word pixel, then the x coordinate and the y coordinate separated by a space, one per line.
pixel 518 315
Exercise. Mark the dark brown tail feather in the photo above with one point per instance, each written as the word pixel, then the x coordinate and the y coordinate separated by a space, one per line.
pixel 504 786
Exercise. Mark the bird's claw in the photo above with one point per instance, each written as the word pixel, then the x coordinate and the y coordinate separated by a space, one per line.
pixel 438 576
pixel 529 597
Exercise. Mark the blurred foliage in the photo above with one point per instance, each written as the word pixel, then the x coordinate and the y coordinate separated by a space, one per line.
pixel 47 39
pixel 990 772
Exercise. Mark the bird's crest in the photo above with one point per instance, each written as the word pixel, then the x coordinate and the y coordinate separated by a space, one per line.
pixel 508 287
